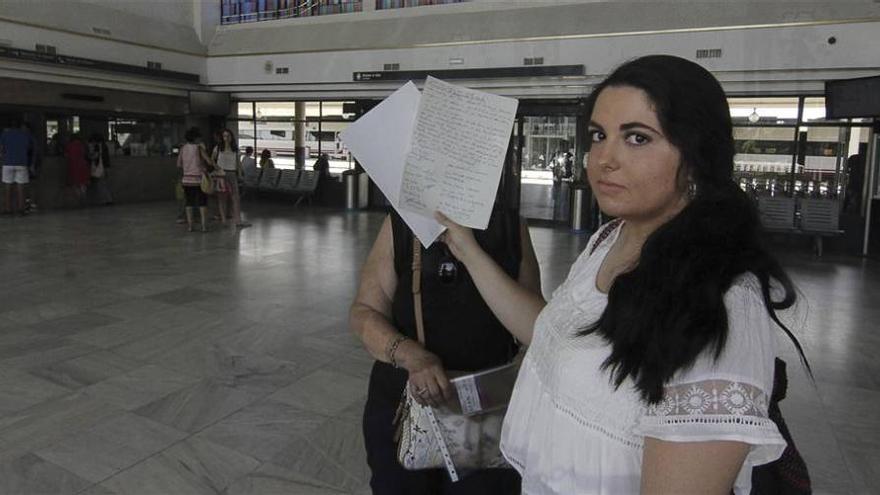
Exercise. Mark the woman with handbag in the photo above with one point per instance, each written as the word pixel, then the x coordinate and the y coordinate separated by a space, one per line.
pixel 194 161
pixel 460 333
pixel 651 368
pixel 99 159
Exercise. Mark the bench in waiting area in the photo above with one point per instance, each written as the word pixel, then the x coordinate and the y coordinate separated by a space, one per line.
pixel 815 217
pixel 301 184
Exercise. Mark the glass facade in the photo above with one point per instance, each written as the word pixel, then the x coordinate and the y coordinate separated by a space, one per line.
pixel 125 136
pixel 786 147
pixel 239 11
pixel 275 125
pixel 399 4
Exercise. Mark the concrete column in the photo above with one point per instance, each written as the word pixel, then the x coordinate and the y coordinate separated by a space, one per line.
pixel 368 5
pixel 299 128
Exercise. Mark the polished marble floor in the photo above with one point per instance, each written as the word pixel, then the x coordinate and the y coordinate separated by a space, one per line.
pixel 136 358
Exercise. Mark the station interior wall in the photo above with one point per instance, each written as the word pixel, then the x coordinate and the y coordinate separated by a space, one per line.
pixel 322 52
pixel 768 47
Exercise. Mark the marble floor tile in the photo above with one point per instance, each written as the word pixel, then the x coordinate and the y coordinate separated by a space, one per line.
pixel 38 353
pixel 357 363
pixel 275 480
pixel 255 371
pixel 97 490
pixel 195 332
pixel 324 391
pixel 71 324
pixel 192 466
pixel 865 469
pixel 263 429
pixel 48 422
pixel 157 285
pixel 31 314
pixel 116 334
pixel 332 455
pixel 19 390
pixel 281 342
pixel 138 387
pixel 135 308
pixel 87 370
pixel 193 408
pixel 109 447
pixel 193 328
pixel 30 474
pixel 183 295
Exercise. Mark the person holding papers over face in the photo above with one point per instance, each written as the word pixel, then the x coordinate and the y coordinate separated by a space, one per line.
pixel 651 368
pixel 461 333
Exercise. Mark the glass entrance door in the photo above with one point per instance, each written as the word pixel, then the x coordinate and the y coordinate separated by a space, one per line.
pixel 548 165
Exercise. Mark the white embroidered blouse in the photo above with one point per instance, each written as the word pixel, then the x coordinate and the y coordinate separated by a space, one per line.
pixel 568 431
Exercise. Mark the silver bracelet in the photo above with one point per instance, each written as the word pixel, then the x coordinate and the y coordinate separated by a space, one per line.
pixel 392 349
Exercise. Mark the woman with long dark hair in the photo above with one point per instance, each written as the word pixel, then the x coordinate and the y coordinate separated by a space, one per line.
pixel 651 367
pixel 226 157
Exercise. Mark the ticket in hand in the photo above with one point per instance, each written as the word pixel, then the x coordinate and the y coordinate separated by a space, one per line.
pixel 486 390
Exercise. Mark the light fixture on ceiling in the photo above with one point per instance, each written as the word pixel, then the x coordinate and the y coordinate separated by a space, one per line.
pixel 754 117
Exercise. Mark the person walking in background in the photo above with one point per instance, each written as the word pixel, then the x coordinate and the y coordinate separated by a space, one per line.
pixel 78 172
pixel 192 160
pixel 322 170
pixel 322 166
pixel 35 162
pixel 226 157
pixel 99 164
pixel 16 150
pixel 266 159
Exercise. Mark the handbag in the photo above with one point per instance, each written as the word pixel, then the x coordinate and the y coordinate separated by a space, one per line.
pixel 431 438
pixel 787 475
pixel 207 185
pixel 97 170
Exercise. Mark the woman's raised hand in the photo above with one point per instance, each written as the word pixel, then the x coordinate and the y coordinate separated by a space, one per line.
pixel 459 238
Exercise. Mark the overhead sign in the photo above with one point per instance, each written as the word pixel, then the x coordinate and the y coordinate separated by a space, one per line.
pixel 86 63
pixel 487 73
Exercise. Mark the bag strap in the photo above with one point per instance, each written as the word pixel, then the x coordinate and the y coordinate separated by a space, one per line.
pixel 606 231
pixel 420 329
pixel 417 288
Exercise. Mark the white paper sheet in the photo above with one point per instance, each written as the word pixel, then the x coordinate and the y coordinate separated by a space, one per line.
pixel 380 140
pixel 459 143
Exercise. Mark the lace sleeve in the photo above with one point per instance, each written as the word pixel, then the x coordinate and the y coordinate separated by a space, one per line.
pixel 725 398
pixel 712 401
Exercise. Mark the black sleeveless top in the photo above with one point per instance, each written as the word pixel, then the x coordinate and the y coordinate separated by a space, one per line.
pixel 459 326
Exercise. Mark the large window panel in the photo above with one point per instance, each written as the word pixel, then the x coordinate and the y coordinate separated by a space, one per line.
pixel 141 137
pixel 547 162
pixel 764 111
pixel 278 138
pixel 245 109
pixel 245 134
pixel 763 160
pixel 275 109
pixel 814 112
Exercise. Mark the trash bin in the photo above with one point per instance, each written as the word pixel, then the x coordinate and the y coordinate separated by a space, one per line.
pixel 352 188
pixel 579 208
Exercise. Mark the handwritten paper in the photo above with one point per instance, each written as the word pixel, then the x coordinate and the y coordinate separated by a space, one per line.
pixel 459 143
pixel 380 139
